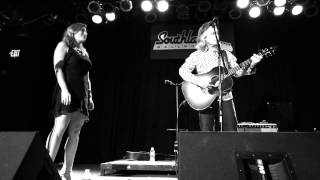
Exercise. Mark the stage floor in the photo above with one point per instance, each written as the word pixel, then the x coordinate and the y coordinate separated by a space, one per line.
pixel 79 174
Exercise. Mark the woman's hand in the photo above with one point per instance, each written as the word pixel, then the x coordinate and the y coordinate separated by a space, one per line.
pixel 91 104
pixel 65 97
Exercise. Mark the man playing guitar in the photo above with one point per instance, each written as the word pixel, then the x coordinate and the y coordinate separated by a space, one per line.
pixel 205 60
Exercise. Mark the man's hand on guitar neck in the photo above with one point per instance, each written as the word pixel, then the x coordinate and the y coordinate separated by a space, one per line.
pixel 256 58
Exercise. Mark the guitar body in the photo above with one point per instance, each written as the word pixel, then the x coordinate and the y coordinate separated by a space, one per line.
pixel 201 98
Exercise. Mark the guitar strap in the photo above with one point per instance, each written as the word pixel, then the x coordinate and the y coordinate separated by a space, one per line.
pixel 225 60
pixel 226 64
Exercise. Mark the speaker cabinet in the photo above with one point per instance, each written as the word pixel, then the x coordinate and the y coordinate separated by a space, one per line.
pixel 249 155
pixel 23 156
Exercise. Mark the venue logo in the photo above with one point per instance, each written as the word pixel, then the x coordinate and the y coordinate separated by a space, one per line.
pixel 183 40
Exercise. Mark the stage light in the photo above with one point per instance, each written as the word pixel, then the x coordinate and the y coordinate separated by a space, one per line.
pixel 220 6
pixel 296 10
pixel 108 7
pixel 279 3
pixel 278 7
pixel 183 12
pixel 311 10
pixel 146 5
pixel 110 16
pixel 110 11
pixel 234 13
pixel 254 12
pixel 150 17
pixel 243 3
pixel 262 2
pixel 277 11
pixel 94 7
pixel 126 5
pixel 96 19
pixel 201 16
pixel 204 6
pixel 162 5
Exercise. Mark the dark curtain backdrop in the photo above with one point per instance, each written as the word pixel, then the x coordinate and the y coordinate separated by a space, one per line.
pixel 134 108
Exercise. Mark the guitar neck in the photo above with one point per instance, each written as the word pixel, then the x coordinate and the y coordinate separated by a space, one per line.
pixel 240 66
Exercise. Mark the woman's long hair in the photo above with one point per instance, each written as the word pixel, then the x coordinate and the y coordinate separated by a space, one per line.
pixel 201 44
pixel 68 35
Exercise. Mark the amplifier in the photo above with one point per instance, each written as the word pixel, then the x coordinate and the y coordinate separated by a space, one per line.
pixel 257 127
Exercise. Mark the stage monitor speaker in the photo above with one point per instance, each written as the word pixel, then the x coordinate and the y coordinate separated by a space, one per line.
pixel 23 156
pixel 249 155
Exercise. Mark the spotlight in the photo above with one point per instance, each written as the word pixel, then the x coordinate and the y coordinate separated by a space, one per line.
pixel 162 5
pixel 254 11
pixel 296 10
pixel 280 2
pixel 146 5
pixel 96 18
pixel 110 11
pixel 126 5
pixel 243 3
pixel 94 7
pixel 277 11
pixel 110 16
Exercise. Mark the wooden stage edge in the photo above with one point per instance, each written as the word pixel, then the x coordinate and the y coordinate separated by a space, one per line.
pixel 79 173
pixel 158 167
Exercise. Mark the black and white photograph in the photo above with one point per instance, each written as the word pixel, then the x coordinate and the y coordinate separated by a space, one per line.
pixel 159 90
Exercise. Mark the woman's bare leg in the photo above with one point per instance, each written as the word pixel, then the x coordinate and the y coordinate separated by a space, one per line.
pixel 54 139
pixel 76 123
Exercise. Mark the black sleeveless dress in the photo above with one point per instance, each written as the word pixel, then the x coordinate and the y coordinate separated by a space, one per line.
pixel 74 67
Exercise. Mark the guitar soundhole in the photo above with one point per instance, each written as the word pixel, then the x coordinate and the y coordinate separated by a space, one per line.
pixel 211 90
pixel 214 80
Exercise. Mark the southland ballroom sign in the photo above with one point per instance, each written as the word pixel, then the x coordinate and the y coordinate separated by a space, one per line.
pixel 178 41
pixel 184 40
pixel 172 42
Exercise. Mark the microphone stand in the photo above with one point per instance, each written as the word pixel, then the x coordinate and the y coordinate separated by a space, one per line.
pixel 215 27
pixel 175 147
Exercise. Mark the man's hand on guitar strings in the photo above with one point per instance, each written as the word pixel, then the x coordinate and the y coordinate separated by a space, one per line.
pixel 204 83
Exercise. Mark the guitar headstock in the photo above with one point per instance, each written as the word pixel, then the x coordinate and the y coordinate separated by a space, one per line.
pixel 267 52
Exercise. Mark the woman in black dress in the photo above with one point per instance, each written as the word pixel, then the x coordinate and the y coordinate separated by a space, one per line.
pixel 72 97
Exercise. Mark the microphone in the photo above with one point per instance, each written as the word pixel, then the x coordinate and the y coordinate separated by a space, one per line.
pixel 214 21
pixel 171 83
pixel 167 81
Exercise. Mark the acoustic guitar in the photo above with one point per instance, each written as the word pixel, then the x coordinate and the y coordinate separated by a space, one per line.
pixel 199 98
